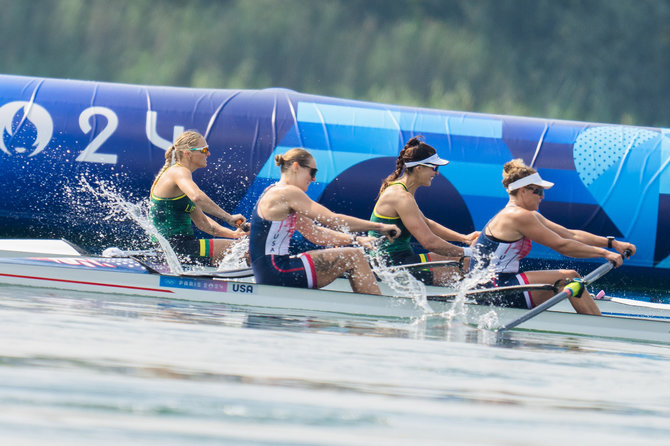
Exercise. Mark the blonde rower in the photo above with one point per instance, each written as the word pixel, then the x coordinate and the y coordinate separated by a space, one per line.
pixel 176 202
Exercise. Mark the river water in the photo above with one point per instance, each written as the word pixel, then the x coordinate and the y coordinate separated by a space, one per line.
pixel 84 369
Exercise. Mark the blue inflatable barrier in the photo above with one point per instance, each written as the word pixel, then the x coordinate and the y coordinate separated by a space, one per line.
pixel 610 179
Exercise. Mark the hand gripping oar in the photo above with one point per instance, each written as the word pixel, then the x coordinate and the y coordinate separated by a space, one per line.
pixel 574 288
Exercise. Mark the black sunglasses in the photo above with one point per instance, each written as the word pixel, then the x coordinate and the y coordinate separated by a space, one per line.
pixel 312 170
pixel 432 166
pixel 536 190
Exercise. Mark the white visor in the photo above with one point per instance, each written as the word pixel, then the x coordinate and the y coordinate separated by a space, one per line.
pixel 527 181
pixel 433 159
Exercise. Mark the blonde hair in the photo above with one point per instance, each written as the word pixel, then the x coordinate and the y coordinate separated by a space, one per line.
pixel 190 139
pixel 298 154
pixel 515 170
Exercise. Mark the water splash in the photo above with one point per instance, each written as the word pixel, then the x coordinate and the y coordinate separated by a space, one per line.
pixel 235 258
pixel 119 209
pixel 471 281
pixel 401 281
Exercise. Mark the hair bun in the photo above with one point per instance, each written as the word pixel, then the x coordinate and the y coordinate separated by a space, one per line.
pixel 279 160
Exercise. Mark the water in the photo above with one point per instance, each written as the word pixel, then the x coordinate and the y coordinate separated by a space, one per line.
pixel 82 369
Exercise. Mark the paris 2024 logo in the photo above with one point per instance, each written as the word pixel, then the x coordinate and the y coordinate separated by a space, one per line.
pixel 26 127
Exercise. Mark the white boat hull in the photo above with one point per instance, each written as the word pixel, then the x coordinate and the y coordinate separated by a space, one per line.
pixel 125 276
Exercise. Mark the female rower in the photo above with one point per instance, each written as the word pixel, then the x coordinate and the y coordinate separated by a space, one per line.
pixel 416 166
pixel 176 201
pixel 283 208
pixel 507 238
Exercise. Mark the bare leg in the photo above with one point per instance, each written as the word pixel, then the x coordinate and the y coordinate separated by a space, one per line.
pixel 446 275
pixel 221 247
pixel 584 304
pixel 332 263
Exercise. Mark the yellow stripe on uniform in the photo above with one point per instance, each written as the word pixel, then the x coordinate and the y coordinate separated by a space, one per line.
pixel 204 247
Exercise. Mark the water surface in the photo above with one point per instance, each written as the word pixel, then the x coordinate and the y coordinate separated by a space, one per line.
pixel 78 368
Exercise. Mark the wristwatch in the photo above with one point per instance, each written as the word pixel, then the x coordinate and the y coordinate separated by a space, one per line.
pixel 610 239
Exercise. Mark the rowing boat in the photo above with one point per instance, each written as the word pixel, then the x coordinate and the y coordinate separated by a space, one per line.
pixel 622 318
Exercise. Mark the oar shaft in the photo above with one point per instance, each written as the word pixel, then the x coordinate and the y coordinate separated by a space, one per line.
pixel 435 264
pixel 591 277
pixel 483 292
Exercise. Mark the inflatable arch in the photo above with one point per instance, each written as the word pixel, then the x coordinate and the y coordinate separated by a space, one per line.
pixel 610 179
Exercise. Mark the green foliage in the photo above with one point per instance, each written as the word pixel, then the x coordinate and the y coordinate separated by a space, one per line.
pixel 592 60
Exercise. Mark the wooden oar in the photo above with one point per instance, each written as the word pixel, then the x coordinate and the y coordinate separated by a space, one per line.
pixel 568 291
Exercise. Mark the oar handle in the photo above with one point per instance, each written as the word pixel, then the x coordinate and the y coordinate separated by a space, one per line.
pixel 243 226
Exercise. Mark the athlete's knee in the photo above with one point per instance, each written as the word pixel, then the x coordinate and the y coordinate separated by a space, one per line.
pixel 565 276
pixel 568 273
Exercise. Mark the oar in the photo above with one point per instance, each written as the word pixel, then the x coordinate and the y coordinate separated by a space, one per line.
pixel 475 294
pixel 421 265
pixel 567 292
pixel 244 226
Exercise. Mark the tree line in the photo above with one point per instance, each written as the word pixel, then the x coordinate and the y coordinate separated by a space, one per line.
pixel 587 60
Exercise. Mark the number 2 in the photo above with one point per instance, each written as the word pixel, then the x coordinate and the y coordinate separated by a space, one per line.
pixel 89 154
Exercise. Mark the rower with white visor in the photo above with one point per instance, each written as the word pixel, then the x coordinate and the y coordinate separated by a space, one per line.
pixel 508 236
pixel 417 165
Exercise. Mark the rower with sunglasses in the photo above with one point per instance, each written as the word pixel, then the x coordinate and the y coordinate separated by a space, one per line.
pixel 284 208
pixel 177 201
pixel 416 166
pixel 507 238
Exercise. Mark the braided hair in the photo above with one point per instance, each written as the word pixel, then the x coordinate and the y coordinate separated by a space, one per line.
pixel 414 150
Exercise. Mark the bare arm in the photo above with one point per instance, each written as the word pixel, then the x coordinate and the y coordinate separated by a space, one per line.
pixel 449 234
pixel 322 236
pixel 532 225
pixel 206 224
pixel 184 180
pixel 586 237
pixel 417 225
pixel 298 201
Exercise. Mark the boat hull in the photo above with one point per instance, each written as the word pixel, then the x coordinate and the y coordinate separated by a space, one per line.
pixel 128 277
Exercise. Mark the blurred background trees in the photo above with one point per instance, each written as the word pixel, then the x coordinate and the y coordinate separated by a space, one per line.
pixel 588 60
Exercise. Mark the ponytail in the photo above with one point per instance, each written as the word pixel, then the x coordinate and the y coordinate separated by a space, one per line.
pixel 187 140
pixel 298 154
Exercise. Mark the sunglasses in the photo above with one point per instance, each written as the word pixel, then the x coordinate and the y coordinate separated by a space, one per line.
pixel 537 190
pixel 203 150
pixel 312 170
pixel 432 166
